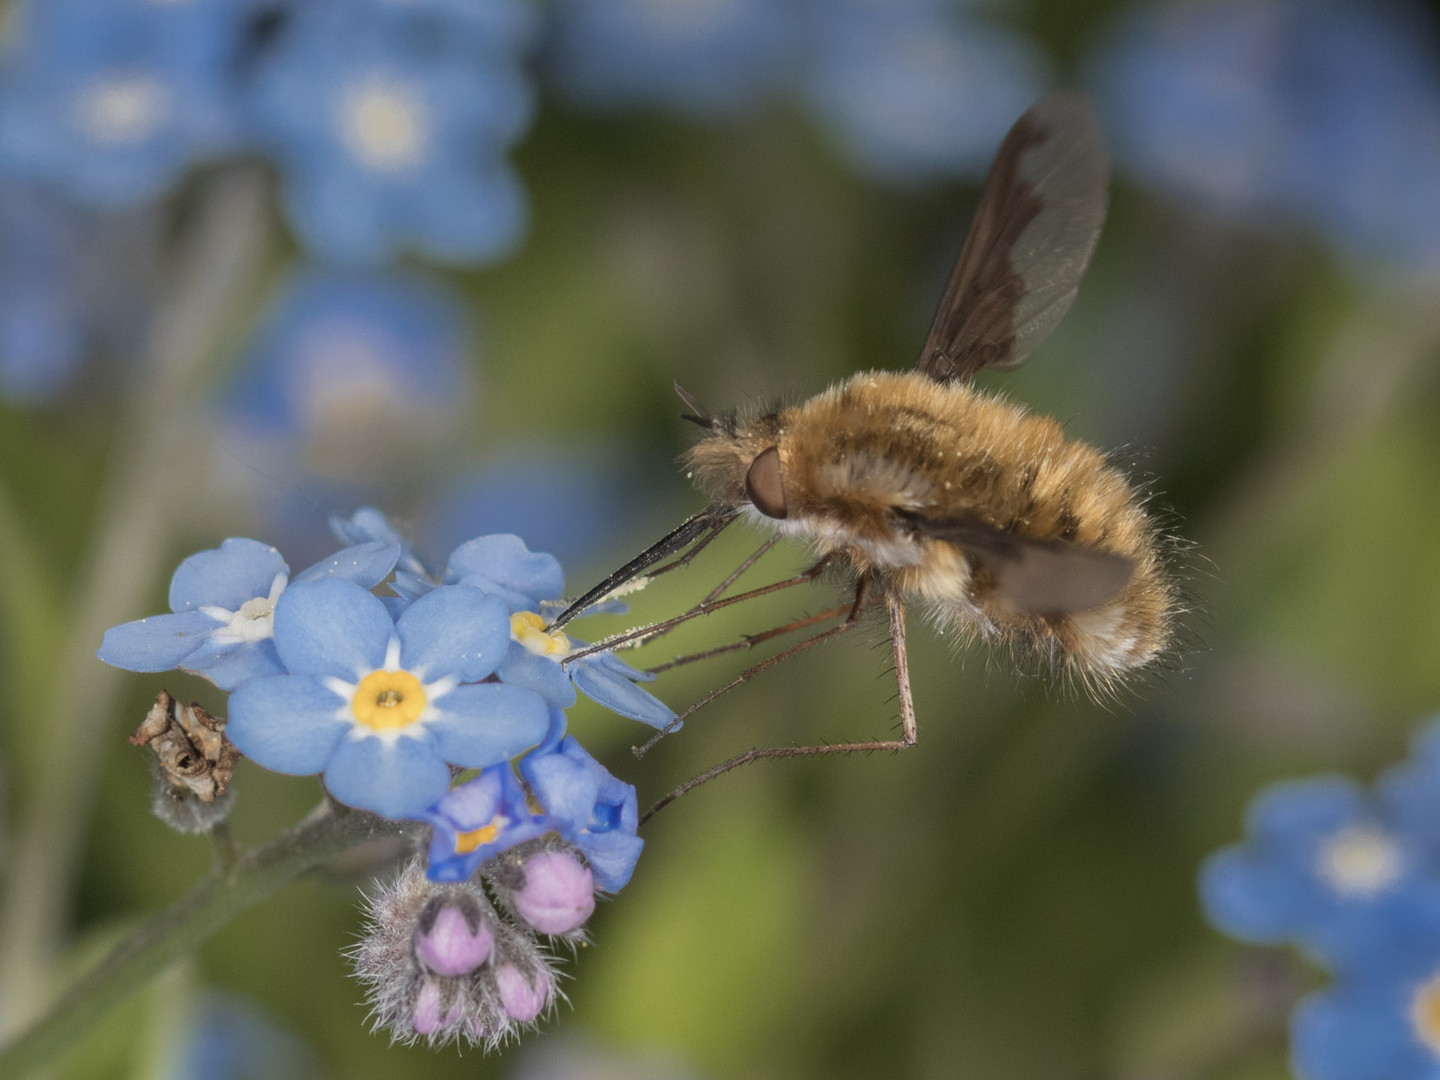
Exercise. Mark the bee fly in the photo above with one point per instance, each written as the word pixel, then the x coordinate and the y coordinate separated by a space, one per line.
pixel 930 491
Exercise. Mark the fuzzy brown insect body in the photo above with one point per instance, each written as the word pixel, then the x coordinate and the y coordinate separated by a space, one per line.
pixel 871 468
pixel 933 492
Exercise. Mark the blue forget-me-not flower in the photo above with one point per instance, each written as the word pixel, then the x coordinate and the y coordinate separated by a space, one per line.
pixel 700 57
pixel 223 601
pixel 913 90
pixel 382 707
pixel 113 99
pixel 1353 878
pixel 390 140
pixel 1323 112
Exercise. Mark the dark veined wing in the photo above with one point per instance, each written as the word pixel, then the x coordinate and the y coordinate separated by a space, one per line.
pixel 1034 231
pixel 1042 577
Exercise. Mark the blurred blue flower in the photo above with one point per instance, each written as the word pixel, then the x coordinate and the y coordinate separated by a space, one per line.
pixel 113 99
pixel 701 57
pixel 477 821
pixel 1324 112
pixel 588 807
pixel 913 90
pixel 1383 1026
pixel 382 707
pixel 1411 791
pixel 227 1038
pixel 44 321
pixel 575 503
pixel 1323 867
pixel 223 603
pixel 391 140
pixel 359 368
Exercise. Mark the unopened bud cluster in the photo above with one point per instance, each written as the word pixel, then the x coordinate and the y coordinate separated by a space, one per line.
pixel 455 962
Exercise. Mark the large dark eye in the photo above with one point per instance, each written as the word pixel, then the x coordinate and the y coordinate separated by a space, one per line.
pixel 764 486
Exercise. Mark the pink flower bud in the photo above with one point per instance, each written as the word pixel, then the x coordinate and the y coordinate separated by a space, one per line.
pixel 425 1018
pixel 449 946
pixel 523 1000
pixel 559 893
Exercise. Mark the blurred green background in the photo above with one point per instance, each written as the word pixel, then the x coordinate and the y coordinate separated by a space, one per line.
pixel 1012 899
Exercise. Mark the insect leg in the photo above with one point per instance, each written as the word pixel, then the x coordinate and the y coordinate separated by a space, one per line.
pixel 657 630
pixel 749 641
pixel 642 634
pixel 908 730
pixel 862 591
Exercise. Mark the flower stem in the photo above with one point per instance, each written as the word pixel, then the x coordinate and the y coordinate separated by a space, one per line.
pixel 153 473
pixel 177 931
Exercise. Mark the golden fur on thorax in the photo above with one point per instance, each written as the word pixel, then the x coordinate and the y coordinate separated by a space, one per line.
pixel 874 453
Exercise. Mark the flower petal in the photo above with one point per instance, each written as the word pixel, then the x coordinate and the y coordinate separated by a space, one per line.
pixel 227 666
pixel 288 723
pixel 331 627
pixel 453 630
pixel 397 777
pixel 613 663
pixel 612 857
pixel 502 563
pixel 365 564
pixel 546 677
pixel 158 643
pixel 227 576
pixel 1301 811
pixel 566 788
pixel 1253 898
pixel 601 684
pixel 485 724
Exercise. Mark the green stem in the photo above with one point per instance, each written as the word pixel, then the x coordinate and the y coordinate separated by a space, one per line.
pixel 181 928
pixel 154 472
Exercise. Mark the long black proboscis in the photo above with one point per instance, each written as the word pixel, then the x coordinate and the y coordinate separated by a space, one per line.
pixel 712 519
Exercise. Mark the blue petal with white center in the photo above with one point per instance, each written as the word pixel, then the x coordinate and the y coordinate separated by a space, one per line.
pixel 1325 868
pixel 384 733
pixel 114 100
pixel 224 601
pixel 393 140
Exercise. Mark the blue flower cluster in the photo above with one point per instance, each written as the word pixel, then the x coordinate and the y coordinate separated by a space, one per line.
pixel 386 695
pixel 1321 112
pixel 1352 877
pixel 907 89
pixel 389 122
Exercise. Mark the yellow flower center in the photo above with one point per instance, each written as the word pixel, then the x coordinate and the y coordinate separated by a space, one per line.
pixel 386 700
pixel 528 629
pixel 1425 1013
pixel 467 842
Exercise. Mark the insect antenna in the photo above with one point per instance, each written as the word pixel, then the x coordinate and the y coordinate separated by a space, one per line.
pixel 909 733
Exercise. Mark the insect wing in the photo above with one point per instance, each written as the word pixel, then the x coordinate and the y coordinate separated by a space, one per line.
pixel 1034 231
pixel 1041 577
